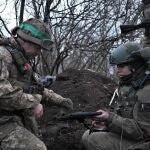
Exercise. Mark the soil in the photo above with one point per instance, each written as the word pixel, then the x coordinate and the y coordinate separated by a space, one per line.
pixel 89 91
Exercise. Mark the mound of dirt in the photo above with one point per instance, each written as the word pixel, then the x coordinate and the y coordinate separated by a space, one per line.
pixel 89 91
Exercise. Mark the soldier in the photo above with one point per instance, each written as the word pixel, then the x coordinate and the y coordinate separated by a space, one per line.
pixel 127 127
pixel 20 89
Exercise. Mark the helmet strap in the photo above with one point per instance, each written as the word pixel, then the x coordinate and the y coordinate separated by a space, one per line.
pixel 18 57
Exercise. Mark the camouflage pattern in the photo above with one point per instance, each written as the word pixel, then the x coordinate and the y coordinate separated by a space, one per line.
pixel 129 124
pixel 19 138
pixel 18 127
pixel 12 97
pixel 55 99
pixel 14 104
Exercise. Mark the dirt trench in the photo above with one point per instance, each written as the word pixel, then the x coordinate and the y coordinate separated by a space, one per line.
pixel 89 91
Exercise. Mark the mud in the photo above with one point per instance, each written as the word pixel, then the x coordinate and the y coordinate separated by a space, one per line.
pixel 89 91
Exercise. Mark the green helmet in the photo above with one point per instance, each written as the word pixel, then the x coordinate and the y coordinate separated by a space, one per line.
pixel 122 54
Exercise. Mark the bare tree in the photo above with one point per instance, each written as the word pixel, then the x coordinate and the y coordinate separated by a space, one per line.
pixel 22 11
pixel 83 31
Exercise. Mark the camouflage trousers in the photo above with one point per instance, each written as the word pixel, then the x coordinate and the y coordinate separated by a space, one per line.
pixel 15 137
pixel 105 141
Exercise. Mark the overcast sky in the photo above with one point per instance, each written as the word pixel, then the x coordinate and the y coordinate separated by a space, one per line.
pixel 7 12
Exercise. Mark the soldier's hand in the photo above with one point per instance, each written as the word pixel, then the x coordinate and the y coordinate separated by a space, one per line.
pixel 38 111
pixel 99 125
pixel 103 117
pixel 56 99
pixel 67 103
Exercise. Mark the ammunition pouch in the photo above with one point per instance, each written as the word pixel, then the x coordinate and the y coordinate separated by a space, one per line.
pixel 125 107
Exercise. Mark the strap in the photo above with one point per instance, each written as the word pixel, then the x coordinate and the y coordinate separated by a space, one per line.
pixel 19 60
pixel 138 84
pixel 113 97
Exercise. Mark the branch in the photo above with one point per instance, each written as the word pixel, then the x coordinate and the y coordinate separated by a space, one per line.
pixel 5 25
pixel 22 11
pixel 47 10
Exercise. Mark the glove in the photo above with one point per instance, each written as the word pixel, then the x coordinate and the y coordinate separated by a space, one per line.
pixel 67 103
pixel 53 98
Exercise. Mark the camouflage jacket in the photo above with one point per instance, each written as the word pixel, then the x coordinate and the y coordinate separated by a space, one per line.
pixel 12 96
pixel 131 116
pixel 14 102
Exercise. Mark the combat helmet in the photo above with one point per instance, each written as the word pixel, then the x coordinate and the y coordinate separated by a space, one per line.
pixel 35 31
pixel 123 54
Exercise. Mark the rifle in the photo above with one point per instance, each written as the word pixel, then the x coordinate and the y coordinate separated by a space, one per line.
pixel 81 117
pixel 128 28
pixel 145 24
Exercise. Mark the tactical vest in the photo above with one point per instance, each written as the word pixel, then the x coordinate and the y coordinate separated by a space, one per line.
pixel 20 69
pixel 124 98
pixel 124 103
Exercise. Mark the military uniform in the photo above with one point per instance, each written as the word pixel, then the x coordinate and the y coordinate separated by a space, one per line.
pixel 128 125
pixel 13 103
pixel 18 127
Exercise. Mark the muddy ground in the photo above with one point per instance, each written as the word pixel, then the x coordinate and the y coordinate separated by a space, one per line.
pixel 89 91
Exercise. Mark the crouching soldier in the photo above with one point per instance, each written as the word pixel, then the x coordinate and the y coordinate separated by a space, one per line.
pixel 20 90
pixel 127 127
